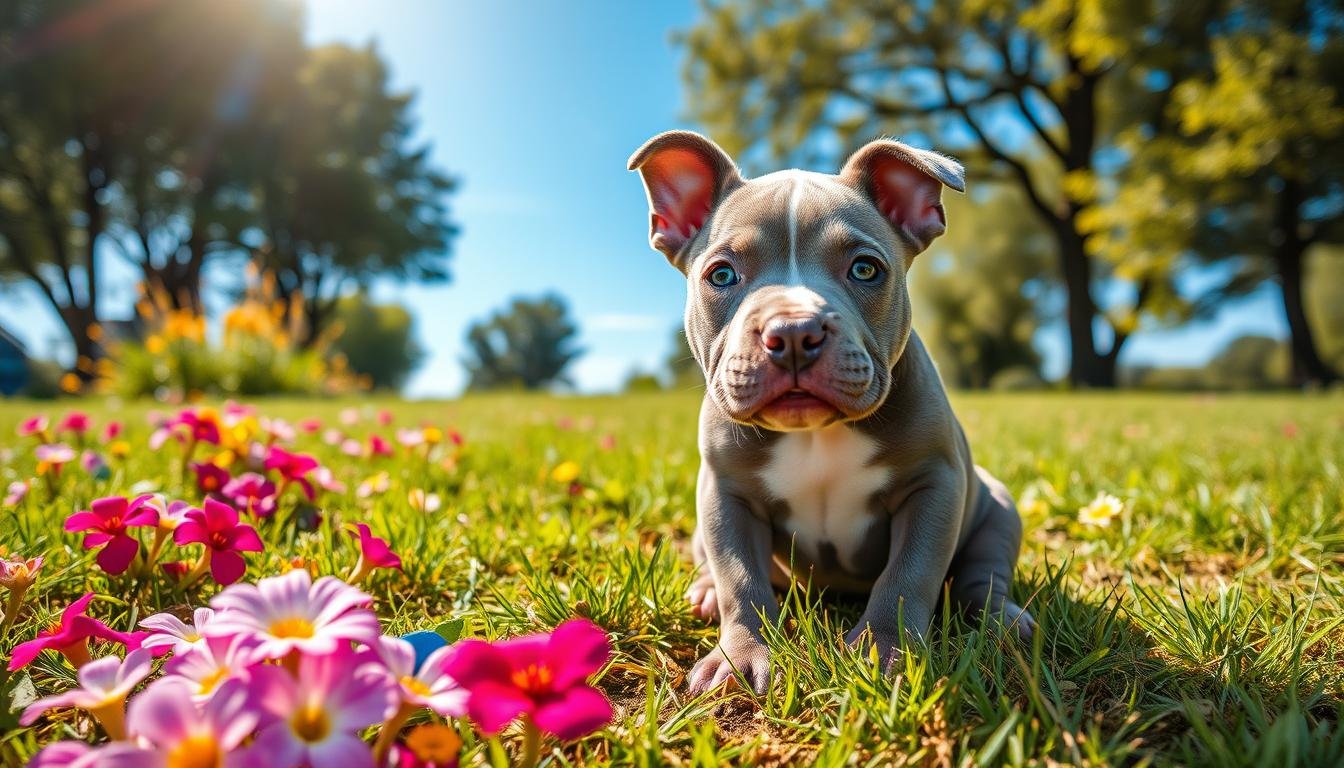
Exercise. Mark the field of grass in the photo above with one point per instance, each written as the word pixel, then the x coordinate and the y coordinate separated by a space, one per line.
pixel 1203 626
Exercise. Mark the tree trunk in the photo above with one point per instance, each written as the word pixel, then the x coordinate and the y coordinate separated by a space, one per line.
pixel 1290 252
pixel 1087 368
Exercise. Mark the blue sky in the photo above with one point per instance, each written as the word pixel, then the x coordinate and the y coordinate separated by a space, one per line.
pixel 535 106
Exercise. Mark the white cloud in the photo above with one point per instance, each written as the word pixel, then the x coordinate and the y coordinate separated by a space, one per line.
pixel 626 321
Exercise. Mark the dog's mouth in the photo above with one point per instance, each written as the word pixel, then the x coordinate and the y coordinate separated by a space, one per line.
pixel 797 408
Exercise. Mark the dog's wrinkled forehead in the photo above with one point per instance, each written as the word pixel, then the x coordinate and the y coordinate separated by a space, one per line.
pixel 777 220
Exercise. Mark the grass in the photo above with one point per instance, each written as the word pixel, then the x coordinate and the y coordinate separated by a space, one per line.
pixel 1205 626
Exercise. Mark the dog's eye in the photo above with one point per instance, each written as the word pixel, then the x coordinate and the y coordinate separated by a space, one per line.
pixel 722 276
pixel 865 270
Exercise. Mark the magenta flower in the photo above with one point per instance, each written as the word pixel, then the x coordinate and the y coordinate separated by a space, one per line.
pixel 294 613
pixel 36 425
pixel 104 685
pixel 67 754
pixel 75 421
pixel 175 731
pixel 379 447
pixel 310 426
pixel 252 493
pixel 292 467
pixel 70 637
pixel 168 631
pixel 373 553
pixel 317 715
pixel 429 686
pixel 112 431
pixel 110 520
pixel 542 676
pixel 216 526
pixel 193 425
pixel 207 665
pixel 210 478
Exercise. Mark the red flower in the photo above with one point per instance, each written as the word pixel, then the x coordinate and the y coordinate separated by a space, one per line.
pixel 70 637
pixel 379 447
pixel 541 676
pixel 293 468
pixel 75 421
pixel 210 478
pixel 216 526
pixel 110 519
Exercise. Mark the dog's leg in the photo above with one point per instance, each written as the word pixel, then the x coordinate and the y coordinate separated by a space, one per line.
pixel 982 571
pixel 703 597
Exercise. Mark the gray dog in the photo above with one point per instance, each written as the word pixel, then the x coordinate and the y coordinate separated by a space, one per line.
pixel 828 449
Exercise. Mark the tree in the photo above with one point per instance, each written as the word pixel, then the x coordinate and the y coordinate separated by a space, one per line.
pixel 980 292
pixel 527 346
pixel 1325 301
pixel 996 81
pixel 1253 175
pixel 377 340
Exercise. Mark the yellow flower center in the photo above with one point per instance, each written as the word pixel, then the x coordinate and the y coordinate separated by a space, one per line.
pixel 296 628
pixel 414 685
pixel 310 723
pixel 213 679
pixel 195 752
pixel 434 743
pixel 533 677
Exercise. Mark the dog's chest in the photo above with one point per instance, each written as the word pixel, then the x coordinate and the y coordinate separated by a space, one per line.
pixel 827 480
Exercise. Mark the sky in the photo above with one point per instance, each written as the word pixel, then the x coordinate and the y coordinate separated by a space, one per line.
pixel 535 107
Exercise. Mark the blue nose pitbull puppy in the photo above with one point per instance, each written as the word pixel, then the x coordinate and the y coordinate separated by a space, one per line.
pixel 829 452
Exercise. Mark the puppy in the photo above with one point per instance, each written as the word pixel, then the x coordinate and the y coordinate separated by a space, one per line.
pixel 828 449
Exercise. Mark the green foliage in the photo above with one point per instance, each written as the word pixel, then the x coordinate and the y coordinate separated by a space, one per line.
pixel 527 346
pixel 1324 290
pixel 377 340
pixel 247 367
pixel 1202 627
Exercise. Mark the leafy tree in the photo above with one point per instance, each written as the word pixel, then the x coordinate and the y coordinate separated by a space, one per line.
pixel 377 340
pixel 527 346
pixel 998 82
pixel 1325 302
pixel 980 291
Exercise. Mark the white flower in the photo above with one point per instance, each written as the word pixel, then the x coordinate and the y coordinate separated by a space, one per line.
pixel 103 684
pixel 1101 511
pixel 166 630
pixel 424 502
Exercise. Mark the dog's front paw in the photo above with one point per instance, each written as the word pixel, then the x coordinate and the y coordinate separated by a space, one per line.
pixel 747 657
pixel 887 645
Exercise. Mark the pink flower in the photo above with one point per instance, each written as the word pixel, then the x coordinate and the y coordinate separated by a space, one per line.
pixel 379 447
pixel 277 430
pixel 103 687
pixel 349 417
pixel 352 447
pixel 15 493
pixel 70 637
pixel 429 686
pixel 75 421
pixel 216 526
pixel 207 665
pixel 252 493
pixel 110 519
pixel 177 732
pixel 411 438
pixel 112 431
pixel 210 478
pixel 92 463
pixel 542 676
pixel 326 480
pixel 373 553
pixel 55 456
pixel 332 436
pixel 19 574
pixel 168 631
pixel 294 613
pixel 36 425
pixel 292 467
pixel 193 425
pixel 384 417
pixel 318 714
pixel 66 754
pixel 310 426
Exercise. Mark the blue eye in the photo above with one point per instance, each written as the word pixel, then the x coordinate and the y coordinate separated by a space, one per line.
pixel 865 270
pixel 722 276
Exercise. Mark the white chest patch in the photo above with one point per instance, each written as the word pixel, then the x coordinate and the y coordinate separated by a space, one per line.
pixel 825 478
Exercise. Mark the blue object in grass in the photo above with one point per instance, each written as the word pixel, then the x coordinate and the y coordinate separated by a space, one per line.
pixel 424 642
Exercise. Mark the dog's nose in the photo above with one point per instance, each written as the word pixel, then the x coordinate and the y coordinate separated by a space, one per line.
pixel 793 343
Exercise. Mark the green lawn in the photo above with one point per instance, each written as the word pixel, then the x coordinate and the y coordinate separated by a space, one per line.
pixel 1205 625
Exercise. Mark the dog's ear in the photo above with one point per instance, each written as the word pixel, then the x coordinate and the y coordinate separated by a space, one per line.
pixel 906 185
pixel 685 175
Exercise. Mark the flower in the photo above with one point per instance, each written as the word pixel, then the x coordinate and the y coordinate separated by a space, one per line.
pixel 421 501
pixel 374 485
pixel 19 574
pixel 410 438
pixel 252 493
pixel 193 425
pixel 349 417
pixel 292 467
pixel 431 745
pixel 53 457
pixel 15 492
pixel 168 631
pixel 178 733
pixel 206 665
pixel 68 754
pixel 36 425
pixel 277 430
pixel 326 480
pixel 317 715
pixel 216 526
pixel 310 426
pixel 110 519
pixel 292 612
pixel 425 686
pixel 69 637
pixel 93 464
pixel 379 447
pixel 75 421
pixel 210 477
pixel 103 686
pixel 543 676
pixel 373 553
pixel 352 447
pixel 565 472
pixel 1101 510
pixel 112 431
